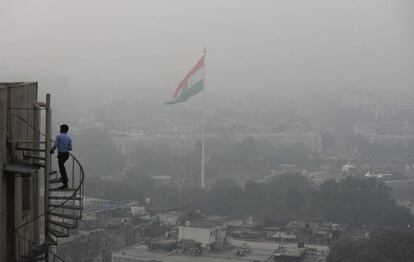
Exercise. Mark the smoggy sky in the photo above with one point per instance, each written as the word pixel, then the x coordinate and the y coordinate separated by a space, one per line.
pixel 257 47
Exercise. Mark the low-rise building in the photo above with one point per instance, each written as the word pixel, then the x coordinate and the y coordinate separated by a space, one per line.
pixel 310 139
pixel 253 251
pixel 205 232
pixel 137 210
pixel 283 237
pixel 239 250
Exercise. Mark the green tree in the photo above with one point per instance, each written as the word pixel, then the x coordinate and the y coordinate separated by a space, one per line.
pixel 225 197
pixel 289 190
pixel 359 201
pixel 253 197
pixel 384 245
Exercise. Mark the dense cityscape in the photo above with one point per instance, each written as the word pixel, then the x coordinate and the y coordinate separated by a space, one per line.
pixel 223 131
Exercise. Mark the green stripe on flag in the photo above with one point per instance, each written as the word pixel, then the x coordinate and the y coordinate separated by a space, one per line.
pixel 189 92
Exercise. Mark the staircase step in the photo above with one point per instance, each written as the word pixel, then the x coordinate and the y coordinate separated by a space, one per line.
pixel 55 181
pixel 53 173
pixel 57 233
pixel 36 253
pixel 50 241
pixel 39 164
pixel 20 167
pixel 63 198
pixel 66 206
pixel 30 149
pixel 62 224
pixel 41 104
pixel 68 216
pixel 34 157
pixel 29 259
pixel 37 250
pixel 27 141
pixel 61 190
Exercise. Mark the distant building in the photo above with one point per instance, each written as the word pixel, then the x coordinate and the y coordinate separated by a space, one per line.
pixel 379 175
pixel 348 168
pixel 181 141
pixel 283 237
pixel 162 180
pixel 170 219
pixel 95 203
pixel 372 135
pixel 378 105
pixel 309 139
pixel 128 142
pixel 254 251
pixel 205 232
pixel 138 210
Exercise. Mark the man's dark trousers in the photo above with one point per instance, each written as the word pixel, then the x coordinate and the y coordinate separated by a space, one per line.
pixel 62 157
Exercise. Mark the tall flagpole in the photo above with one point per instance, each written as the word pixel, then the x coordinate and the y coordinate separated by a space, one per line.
pixel 203 124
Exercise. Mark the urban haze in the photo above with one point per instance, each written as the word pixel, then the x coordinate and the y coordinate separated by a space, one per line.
pixel 195 130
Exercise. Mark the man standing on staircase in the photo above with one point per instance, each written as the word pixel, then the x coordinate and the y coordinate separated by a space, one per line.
pixel 63 143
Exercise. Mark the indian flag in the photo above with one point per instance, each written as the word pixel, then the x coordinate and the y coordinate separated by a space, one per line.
pixel 192 84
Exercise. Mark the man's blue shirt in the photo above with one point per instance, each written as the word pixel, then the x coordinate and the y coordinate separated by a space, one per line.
pixel 63 143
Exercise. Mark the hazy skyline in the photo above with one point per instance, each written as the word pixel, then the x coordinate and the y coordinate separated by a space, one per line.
pixel 256 48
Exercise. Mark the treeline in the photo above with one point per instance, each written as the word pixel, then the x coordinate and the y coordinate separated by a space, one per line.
pixel 287 197
pixel 383 245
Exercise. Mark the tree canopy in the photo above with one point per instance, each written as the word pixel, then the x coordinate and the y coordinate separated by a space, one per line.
pixel 384 245
pixel 358 202
pixel 287 197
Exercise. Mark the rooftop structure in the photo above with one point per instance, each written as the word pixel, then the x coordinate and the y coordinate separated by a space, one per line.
pixel 206 232
pixel 257 251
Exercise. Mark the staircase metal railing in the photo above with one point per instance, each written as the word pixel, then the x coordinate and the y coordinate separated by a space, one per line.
pixel 72 202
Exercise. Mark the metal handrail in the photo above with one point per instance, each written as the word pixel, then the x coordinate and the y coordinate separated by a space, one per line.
pixel 78 191
pixel 56 256
pixel 71 197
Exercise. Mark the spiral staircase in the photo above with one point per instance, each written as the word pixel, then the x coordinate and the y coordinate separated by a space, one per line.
pixel 62 207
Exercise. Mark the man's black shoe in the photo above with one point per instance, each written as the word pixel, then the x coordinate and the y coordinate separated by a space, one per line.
pixel 63 187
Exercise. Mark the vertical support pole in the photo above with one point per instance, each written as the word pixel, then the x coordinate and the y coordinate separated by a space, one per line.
pixel 36 136
pixel 202 149
pixel 13 247
pixel 9 125
pixel 48 126
pixel 202 123
pixel 179 195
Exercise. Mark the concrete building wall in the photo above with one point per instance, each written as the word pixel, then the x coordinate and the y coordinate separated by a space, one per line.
pixel 97 245
pixel 310 139
pixel 205 236
pixel 16 95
